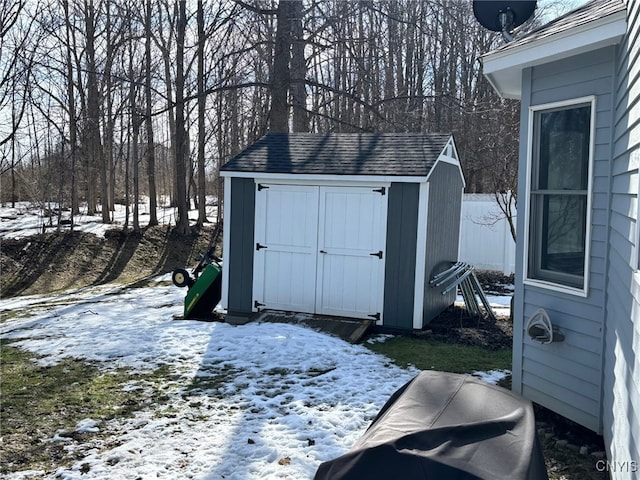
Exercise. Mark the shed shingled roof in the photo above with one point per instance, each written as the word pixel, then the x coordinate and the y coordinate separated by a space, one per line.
pixel 393 154
pixel 590 11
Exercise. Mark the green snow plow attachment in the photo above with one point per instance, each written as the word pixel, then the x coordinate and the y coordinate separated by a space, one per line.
pixel 204 288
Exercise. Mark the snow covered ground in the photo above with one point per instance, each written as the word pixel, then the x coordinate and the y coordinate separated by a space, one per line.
pixel 290 398
pixel 27 219
pixel 293 397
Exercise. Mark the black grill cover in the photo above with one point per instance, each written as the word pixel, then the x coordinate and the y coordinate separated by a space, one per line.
pixel 445 426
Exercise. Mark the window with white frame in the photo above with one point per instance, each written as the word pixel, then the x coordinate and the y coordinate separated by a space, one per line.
pixel 559 193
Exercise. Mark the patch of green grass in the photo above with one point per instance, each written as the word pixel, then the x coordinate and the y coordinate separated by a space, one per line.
pixel 38 402
pixel 431 354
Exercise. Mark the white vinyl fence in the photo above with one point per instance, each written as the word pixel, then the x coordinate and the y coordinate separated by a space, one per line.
pixel 485 239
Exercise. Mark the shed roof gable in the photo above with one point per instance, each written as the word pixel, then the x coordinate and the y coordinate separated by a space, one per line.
pixel 597 24
pixel 385 154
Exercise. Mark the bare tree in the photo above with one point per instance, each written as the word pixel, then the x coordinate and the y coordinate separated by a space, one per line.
pixel 298 70
pixel 151 163
pixel 15 68
pixel 182 222
pixel 243 68
pixel 164 41
pixel 73 150
pixel 114 41
pixel 202 211
pixel 281 74
pixel 18 39
pixel 136 122
pixel 92 139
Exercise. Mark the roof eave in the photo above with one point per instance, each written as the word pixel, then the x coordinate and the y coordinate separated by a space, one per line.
pixel 325 177
pixel 503 68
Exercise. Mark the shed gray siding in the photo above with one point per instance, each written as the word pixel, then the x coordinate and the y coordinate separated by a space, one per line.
pixel 445 205
pixel 567 377
pixel 239 260
pixel 400 266
pixel 621 403
pixel 405 162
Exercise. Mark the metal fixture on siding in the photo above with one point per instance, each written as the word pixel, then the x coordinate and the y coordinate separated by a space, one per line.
pixel 541 330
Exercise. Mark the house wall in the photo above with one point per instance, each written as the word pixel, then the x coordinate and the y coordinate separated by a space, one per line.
pixel 400 266
pixel 443 234
pixel 621 382
pixel 567 376
pixel 239 258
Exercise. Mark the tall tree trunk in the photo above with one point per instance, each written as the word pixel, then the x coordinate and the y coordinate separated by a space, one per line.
pixel 135 120
pixel 108 172
pixel 165 47
pixel 151 157
pixel 14 197
pixel 127 161
pixel 135 125
pixel 94 145
pixel 202 204
pixel 280 74
pixel 72 116
pixel 182 224
pixel 298 70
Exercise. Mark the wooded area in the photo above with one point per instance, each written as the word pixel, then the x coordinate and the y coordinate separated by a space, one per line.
pixel 102 101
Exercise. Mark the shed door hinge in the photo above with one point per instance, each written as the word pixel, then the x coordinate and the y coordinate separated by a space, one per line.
pixel 381 190
pixel 377 254
pixel 257 304
pixel 259 246
pixel 261 186
pixel 375 316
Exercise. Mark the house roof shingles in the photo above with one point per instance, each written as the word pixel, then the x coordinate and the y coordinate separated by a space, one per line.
pixel 589 12
pixel 393 154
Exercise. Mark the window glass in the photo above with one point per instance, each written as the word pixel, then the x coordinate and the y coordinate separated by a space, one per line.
pixel 559 194
pixel 563 233
pixel 564 149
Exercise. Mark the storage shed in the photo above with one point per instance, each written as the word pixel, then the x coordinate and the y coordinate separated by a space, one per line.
pixel 349 225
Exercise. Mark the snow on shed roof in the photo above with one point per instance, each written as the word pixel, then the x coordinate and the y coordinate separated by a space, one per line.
pixel 405 154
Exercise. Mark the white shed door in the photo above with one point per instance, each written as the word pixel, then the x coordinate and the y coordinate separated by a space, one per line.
pixel 286 233
pixel 351 245
pixel 320 249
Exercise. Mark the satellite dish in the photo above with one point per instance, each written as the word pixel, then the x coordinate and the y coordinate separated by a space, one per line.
pixel 503 15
